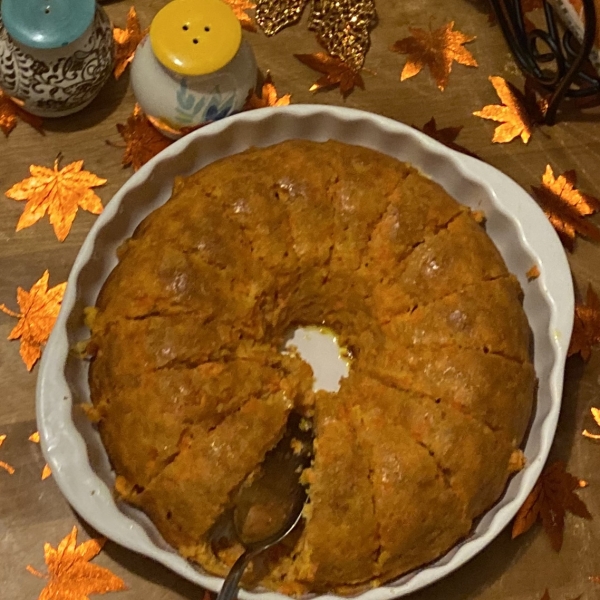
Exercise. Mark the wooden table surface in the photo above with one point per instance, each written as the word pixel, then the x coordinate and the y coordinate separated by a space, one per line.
pixel 33 512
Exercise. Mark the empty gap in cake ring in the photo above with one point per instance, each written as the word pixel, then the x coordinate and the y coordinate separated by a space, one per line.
pixel 222 533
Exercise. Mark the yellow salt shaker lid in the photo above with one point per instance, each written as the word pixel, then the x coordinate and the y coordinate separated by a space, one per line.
pixel 195 37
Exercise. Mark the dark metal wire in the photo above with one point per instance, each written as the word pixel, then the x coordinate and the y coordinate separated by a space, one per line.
pixel 553 60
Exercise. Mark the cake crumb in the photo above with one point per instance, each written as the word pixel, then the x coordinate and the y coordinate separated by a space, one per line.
pixel 305 425
pixel 533 273
pixel 91 412
pixel 479 216
pixel 517 461
pixel 89 316
pixel 297 447
pixel 81 350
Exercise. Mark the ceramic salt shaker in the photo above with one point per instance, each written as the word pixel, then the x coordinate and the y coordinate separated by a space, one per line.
pixel 55 55
pixel 193 67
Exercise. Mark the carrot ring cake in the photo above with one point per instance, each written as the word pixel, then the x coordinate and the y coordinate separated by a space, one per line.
pixel 191 389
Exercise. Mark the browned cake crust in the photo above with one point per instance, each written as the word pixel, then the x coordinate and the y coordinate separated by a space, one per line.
pixel 192 391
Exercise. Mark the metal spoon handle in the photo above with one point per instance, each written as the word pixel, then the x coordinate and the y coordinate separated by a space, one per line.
pixel 232 581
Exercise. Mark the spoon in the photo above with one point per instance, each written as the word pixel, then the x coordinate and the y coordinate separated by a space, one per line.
pixel 270 507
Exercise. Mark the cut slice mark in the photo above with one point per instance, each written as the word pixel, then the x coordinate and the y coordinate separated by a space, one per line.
pixel 391 382
pixel 401 259
pixel 276 191
pixel 374 222
pixel 407 313
pixel 181 310
pixel 444 473
pixel 367 450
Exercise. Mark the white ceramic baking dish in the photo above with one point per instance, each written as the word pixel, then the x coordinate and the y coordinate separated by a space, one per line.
pixel 514 221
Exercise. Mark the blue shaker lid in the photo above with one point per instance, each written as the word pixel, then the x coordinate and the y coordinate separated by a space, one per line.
pixel 47 23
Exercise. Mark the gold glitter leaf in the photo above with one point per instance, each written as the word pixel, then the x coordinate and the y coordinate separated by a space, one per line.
pixel 596 414
pixel 4 465
pixel 71 576
pixel 126 42
pixel 343 28
pixel 566 207
pixel 549 501
pixel 273 15
pixel 239 8
pixel 39 309
pixel 335 72
pixel 436 50
pixel 512 113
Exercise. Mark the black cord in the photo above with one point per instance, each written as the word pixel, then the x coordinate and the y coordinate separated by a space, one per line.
pixel 557 70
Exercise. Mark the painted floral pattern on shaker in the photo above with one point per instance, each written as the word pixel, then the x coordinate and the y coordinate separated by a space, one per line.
pixel 62 84
pixel 189 105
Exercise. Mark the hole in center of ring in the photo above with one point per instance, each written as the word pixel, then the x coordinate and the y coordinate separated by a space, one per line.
pixel 185 27
pixel 195 40
pixel 318 346
pixel 47 10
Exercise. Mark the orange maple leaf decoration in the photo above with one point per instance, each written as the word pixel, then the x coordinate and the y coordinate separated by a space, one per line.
pixel 268 96
pixel 566 207
pixel 59 193
pixel 11 112
pixel 435 49
pixel 594 436
pixel 126 42
pixel 239 8
pixel 549 501
pixel 586 326
pixel 143 141
pixel 512 113
pixel 4 465
pixel 39 309
pixel 446 135
pixel 46 471
pixel 335 72
pixel 71 576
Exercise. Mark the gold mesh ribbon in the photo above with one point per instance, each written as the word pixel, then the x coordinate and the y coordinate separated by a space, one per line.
pixel 342 26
